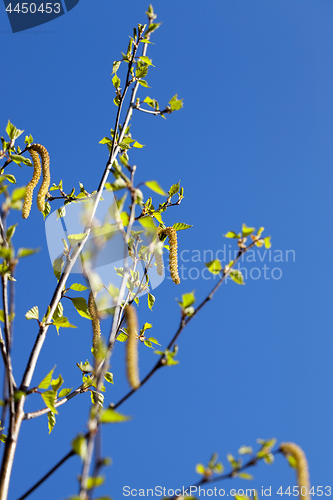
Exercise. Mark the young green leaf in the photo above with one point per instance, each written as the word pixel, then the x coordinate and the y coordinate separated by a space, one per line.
pixel 237 276
pixel 111 416
pixel 81 306
pixel 214 266
pixel 246 231
pixel 232 234
pixel 77 287
pixel 179 226
pixel 51 420
pixel 64 392
pixel 109 377
pixel 25 252
pixel 175 103
pixel 151 301
pixel 79 446
pixel 49 399
pixel 154 186
pixel 33 313
pixel 45 383
pixel 57 383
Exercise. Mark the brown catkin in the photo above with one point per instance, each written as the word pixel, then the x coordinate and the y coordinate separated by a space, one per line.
pixel 173 253
pixel 132 366
pixel 46 176
pixel 302 470
pixel 32 184
pixel 95 321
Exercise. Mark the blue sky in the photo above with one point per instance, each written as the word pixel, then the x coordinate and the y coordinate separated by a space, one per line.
pixel 253 144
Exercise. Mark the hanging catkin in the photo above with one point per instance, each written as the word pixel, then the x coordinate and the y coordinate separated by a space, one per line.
pixel 302 471
pixel 46 176
pixel 173 253
pixel 32 184
pixel 159 263
pixel 35 150
pixel 132 366
pixel 95 321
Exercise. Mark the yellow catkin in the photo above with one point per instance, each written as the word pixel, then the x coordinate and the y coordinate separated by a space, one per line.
pixel 32 184
pixel 46 176
pixel 95 321
pixel 132 366
pixel 159 263
pixel 302 470
pixel 173 253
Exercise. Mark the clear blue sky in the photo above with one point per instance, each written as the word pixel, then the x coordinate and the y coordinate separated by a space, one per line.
pixel 252 144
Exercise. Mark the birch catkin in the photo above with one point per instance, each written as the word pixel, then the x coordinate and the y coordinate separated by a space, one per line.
pixel 302 471
pixel 32 184
pixel 35 150
pixel 159 263
pixel 95 320
pixel 173 253
pixel 46 176
pixel 132 366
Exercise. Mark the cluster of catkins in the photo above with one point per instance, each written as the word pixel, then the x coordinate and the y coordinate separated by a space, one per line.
pixel 173 253
pixel 35 150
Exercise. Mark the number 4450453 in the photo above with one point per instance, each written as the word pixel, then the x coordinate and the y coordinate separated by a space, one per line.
pixel 31 8
pixel 319 491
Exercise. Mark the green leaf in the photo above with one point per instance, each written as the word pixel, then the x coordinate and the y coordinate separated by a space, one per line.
pixel 109 377
pixel 10 178
pixel 47 209
pixel 154 186
pixel 246 231
pixel 94 482
pixel 49 400
pixel 77 287
pixel 122 337
pixel 57 266
pixel 25 252
pixel 116 81
pixel 79 446
pixel 175 103
pixel 237 276
pixel 200 469
pixel 267 242
pixel 20 159
pixel 153 341
pixel 146 60
pixel 28 139
pixel 18 194
pixel 12 131
pixel 115 66
pixel 61 212
pixel 232 234
pixel 292 461
pixel 63 322
pixel 179 226
pixel 85 367
pixel 137 145
pixel 33 313
pixel 151 301
pixel 106 140
pixel 10 231
pixel 174 189
pixel 144 83
pixel 214 266
pixel 51 420
pixel 152 27
pixel 151 102
pixel 111 416
pixel 64 392
pixel 76 238
pixel 187 299
pixel 2 316
pixel 81 306
pixel 57 383
pixel 244 475
pixel 45 383
pixel 3 438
